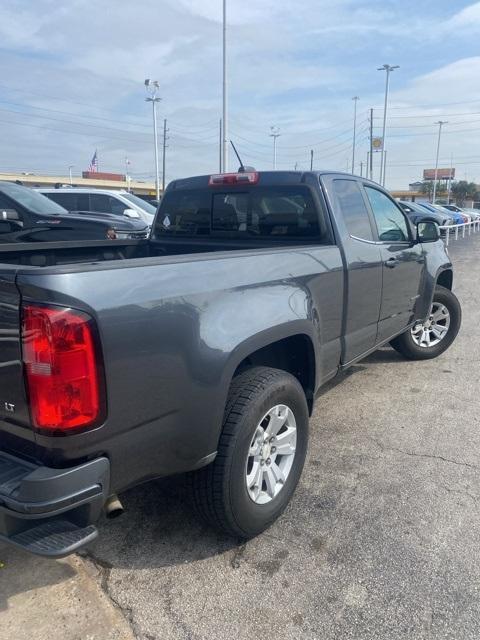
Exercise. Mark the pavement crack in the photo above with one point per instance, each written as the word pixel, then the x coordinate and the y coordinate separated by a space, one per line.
pixel 104 570
pixel 430 456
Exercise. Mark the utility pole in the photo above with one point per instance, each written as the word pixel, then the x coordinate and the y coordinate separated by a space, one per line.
pixel 311 159
pixel 440 125
pixel 450 180
pixel 164 153
pixel 355 100
pixel 371 146
pixel 368 164
pixel 275 133
pixel 361 169
pixel 388 68
pixel 127 175
pixel 220 139
pixel 70 167
pixel 152 87
pixel 225 92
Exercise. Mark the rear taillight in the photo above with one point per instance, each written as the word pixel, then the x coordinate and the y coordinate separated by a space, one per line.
pixel 248 177
pixel 61 368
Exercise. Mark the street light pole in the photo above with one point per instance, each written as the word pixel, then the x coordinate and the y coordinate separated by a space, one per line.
pixel 70 167
pixel 225 93
pixel 440 125
pixel 275 133
pixel 388 68
pixel 152 87
pixel 355 100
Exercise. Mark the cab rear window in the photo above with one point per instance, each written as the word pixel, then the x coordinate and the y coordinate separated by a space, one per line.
pixel 276 213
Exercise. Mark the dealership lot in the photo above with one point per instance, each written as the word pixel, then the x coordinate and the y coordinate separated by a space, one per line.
pixel 381 540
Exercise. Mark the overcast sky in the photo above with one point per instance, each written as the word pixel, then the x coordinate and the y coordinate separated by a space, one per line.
pixel 72 77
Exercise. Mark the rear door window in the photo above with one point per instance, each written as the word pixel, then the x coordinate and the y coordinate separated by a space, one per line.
pixel 350 202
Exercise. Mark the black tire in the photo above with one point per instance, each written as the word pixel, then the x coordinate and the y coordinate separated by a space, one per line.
pixel 405 343
pixel 219 490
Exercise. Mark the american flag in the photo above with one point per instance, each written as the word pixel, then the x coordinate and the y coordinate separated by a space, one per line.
pixel 94 163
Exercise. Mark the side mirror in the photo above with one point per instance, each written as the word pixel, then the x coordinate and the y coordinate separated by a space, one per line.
pixel 9 214
pixel 131 213
pixel 427 232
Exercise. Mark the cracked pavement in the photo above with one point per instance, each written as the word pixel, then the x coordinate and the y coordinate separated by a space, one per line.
pixel 380 541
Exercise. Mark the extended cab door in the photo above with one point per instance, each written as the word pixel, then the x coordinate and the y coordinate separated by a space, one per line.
pixel 363 264
pixel 403 263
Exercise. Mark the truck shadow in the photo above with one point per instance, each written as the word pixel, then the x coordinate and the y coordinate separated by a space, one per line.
pixel 158 529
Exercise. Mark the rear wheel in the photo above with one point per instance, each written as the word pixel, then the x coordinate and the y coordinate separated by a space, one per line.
pixel 430 338
pixel 261 453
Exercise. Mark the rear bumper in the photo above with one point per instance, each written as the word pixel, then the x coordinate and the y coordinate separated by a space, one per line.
pixel 51 512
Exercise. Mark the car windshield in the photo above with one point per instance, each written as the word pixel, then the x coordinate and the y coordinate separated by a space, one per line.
pixel 143 204
pixel 30 199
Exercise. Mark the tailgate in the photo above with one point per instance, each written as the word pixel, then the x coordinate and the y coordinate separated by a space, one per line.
pixel 14 417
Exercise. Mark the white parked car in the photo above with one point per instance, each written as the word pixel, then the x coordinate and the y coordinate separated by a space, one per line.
pixel 120 203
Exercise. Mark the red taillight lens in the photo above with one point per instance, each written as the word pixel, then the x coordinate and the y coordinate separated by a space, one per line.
pixel 61 368
pixel 248 177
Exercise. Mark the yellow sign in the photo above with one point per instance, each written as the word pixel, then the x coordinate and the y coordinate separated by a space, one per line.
pixel 377 144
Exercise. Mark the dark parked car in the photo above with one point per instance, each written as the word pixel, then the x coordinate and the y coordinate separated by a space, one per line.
pixel 416 213
pixel 203 348
pixel 29 216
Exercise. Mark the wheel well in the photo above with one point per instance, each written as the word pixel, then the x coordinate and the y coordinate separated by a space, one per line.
pixel 294 354
pixel 445 279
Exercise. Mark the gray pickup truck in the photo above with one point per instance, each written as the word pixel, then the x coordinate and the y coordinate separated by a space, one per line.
pixel 202 348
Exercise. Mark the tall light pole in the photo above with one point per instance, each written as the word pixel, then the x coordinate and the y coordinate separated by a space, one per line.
pixel 225 93
pixel 275 133
pixel 70 167
pixel 388 68
pixel 355 100
pixel 152 87
pixel 440 125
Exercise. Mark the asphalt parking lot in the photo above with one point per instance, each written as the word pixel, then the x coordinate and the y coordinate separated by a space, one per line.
pixel 380 541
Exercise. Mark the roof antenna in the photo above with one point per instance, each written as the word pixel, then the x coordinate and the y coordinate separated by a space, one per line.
pixel 242 168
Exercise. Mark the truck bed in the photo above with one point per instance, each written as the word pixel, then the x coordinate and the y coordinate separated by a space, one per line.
pixel 49 254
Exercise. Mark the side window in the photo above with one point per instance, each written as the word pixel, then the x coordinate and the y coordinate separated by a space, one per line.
pixel 391 223
pixel 117 206
pixel 64 199
pixel 353 209
pixel 100 202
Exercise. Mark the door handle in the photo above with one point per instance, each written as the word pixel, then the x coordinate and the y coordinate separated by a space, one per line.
pixel 391 263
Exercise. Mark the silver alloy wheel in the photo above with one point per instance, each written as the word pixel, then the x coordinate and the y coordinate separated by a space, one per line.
pixel 434 329
pixel 271 454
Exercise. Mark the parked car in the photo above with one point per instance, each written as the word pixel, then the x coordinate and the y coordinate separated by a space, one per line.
pixel 202 349
pixel 435 208
pixel 416 213
pixel 116 203
pixel 29 216
pixel 473 213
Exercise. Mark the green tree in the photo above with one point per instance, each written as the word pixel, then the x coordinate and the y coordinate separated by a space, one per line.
pixel 463 190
